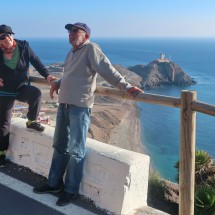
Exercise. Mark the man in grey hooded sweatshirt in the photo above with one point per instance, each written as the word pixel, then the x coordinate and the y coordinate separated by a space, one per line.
pixel 76 97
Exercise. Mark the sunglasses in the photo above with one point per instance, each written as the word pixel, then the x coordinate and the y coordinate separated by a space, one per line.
pixel 2 37
pixel 75 30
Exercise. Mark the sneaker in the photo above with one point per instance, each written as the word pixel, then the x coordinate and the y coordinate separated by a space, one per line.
pixel 47 189
pixel 2 160
pixel 35 126
pixel 65 198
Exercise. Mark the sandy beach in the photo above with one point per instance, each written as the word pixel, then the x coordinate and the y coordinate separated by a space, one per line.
pixel 119 124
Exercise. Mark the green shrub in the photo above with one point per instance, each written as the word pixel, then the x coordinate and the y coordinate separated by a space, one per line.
pixel 204 183
pixel 204 200
pixel 204 168
pixel 157 187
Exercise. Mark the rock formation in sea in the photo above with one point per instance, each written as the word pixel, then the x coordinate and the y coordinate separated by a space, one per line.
pixel 161 72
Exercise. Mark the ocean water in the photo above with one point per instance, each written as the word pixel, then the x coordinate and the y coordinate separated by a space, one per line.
pixel 160 124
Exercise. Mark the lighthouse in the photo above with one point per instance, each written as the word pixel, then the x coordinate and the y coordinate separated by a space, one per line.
pixel 162 56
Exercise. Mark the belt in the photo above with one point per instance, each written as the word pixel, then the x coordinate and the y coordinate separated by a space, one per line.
pixel 66 105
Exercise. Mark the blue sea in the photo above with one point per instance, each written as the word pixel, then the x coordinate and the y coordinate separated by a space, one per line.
pixel 160 124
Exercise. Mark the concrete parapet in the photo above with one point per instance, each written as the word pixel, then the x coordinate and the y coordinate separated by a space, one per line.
pixel 115 179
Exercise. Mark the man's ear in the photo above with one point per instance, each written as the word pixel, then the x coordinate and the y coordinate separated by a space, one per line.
pixel 87 36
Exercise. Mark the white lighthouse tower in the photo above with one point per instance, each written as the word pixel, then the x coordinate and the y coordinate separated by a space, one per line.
pixel 162 58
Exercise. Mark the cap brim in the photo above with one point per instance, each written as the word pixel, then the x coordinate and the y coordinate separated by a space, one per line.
pixel 69 26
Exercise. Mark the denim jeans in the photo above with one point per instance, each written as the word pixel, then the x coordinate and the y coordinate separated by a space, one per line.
pixel 70 136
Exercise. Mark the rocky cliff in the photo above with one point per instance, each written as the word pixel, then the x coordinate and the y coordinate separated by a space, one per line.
pixel 158 73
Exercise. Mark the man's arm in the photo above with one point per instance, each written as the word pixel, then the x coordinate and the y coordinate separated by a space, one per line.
pixel 101 64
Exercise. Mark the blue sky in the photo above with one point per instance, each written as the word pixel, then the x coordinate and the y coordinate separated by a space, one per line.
pixel 111 18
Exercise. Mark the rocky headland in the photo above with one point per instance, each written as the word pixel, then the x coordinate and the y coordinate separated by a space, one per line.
pixel 161 72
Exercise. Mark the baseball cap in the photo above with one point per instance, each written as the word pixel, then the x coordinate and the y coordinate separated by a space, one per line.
pixel 5 29
pixel 80 25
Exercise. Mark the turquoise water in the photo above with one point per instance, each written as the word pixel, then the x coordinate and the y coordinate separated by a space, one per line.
pixel 160 124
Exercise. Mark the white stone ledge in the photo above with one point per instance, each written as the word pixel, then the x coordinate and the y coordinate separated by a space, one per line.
pixel 115 179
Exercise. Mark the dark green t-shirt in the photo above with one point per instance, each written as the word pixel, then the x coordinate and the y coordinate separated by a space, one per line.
pixel 12 63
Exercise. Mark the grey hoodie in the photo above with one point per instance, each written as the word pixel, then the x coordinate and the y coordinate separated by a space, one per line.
pixel 78 83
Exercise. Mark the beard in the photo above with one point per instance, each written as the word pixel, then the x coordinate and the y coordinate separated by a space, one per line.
pixel 76 42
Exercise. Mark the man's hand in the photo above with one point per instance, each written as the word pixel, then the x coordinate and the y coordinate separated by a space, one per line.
pixel 54 88
pixel 134 91
pixel 50 79
pixel 1 82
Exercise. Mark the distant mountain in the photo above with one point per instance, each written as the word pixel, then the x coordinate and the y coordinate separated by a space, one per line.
pixel 161 72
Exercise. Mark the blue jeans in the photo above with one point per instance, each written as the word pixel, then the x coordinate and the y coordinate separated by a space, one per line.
pixel 70 136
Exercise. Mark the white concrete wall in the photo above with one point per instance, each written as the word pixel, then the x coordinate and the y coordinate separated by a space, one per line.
pixel 114 178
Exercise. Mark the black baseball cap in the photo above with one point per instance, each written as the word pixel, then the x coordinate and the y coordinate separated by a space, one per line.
pixel 6 29
pixel 80 25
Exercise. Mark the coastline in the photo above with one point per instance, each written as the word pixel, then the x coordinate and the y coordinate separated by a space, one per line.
pixel 116 122
pixel 127 134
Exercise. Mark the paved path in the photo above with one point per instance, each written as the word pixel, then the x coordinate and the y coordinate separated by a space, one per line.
pixel 17 198
pixel 13 202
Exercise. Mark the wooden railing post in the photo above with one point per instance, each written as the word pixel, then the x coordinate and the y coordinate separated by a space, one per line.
pixel 187 154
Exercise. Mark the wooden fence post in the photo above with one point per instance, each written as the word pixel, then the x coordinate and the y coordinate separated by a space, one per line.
pixel 187 154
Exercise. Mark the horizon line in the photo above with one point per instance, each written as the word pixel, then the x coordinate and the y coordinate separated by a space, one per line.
pixel 118 37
